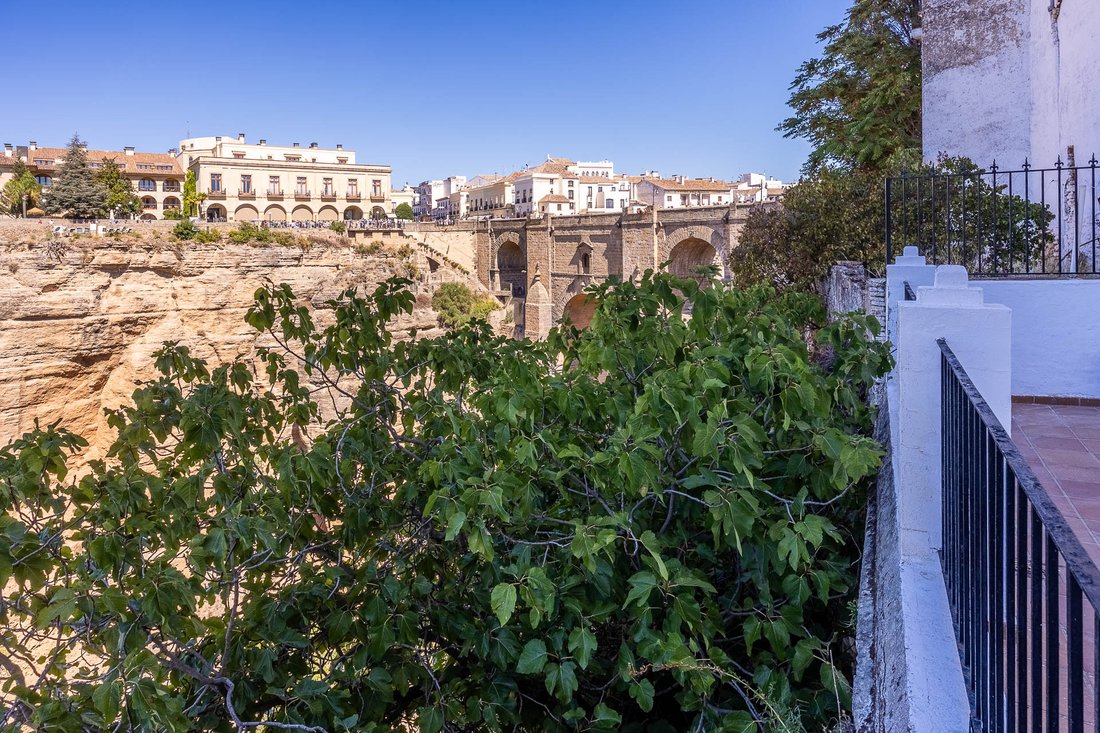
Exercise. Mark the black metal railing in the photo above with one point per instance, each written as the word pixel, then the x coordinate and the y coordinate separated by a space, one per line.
pixel 1017 577
pixel 996 222
pixel 909 294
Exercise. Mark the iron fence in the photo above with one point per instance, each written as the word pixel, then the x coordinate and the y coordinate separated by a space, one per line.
pixel 1017 577
pixel 997 222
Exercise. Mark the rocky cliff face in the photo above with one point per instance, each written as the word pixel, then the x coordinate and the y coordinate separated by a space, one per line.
pixel 81 318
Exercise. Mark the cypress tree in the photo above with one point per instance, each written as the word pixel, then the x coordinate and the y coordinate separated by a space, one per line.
pixel 75 193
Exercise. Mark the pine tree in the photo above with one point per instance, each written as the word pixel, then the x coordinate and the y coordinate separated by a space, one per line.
pixel 75 193
pixel 121 200
pixel 859 104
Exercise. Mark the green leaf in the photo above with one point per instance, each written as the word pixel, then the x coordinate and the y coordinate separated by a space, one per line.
pixel 454 525
pixel 503 600
pixel 641 585
pixel 431 720
pixel 642 693
pixel 533 657
pixel 582 643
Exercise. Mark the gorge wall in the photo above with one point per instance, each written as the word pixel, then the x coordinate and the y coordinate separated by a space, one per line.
pixel 81 317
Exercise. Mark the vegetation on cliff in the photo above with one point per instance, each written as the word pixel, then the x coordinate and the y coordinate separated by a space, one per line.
pixel 645 526
pixel 457 304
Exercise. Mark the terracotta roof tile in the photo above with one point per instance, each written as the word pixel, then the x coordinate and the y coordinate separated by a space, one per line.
pixel 554 198
pixel 689 184
pixel 95 156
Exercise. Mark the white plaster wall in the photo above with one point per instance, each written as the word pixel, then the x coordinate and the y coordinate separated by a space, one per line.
pixel 977 92
pixel 1005 80
pixel 1055 336
pixel 1065 63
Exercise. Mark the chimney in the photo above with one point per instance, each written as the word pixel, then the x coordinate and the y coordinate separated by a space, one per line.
pixel 312 146
pixel 33 146
pixel 218 139
pixel 173 151
pixel 128 150
pixel 295 145
pixel 7 150
pixel 339 146
pixel 240 137
pixel 263 142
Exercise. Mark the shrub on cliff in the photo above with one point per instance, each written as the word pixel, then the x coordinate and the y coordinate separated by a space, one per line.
pixel 457 305
pixel 644 526
pixel 185 229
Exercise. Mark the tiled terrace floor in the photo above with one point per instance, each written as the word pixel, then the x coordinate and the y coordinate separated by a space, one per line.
pixel 1062 444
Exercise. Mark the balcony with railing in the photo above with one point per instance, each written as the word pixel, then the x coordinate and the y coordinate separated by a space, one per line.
pixel 275 193
pixel 981 597
pixel 353 196
pixel 328 194
pixel 246 193
pixel 998 222
pixel 215 193
pixel 302 194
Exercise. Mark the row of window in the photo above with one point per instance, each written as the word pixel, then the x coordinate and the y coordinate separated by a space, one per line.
pixel 145 184
pixel 301 185
pixel 98 164
pixel 238 155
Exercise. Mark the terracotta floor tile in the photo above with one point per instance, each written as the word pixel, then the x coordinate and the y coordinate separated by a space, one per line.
pixel 1054 458
pixel 1087 490
pixel 1059 443
pixel 1092 446
pixel 1074 473
pixel 1053 430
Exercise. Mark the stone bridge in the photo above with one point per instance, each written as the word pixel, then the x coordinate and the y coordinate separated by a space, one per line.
pixel 541 266
pixel 545 264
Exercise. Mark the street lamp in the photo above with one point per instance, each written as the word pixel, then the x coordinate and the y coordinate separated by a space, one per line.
pixel 25 197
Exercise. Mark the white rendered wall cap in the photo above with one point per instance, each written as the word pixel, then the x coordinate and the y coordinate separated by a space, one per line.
pixel 952 288
pixel 909 256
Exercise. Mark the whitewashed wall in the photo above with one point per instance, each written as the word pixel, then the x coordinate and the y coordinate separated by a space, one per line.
pixel 1055 335
pixel 1005 80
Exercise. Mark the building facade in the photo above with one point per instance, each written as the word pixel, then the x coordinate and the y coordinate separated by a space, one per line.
pixel 157 178
pixel 260 182
pixel 681 192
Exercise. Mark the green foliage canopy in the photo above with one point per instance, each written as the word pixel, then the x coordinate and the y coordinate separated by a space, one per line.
pixel 457 304
pixel 645 526
pixel 121 200
pixel 838 215
pixel 859 103
pixel 192 199
pixel 831 217
pixel 75 193
pixel 404 211
pixel 21 184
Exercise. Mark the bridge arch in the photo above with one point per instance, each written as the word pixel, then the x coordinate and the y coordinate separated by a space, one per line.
pixel 579 310
pixel 508 265
pixel 690 247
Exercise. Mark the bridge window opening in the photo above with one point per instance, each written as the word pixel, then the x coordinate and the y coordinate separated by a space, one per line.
pixel 586 262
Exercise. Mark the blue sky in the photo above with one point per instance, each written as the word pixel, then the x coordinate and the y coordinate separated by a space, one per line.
pixel 432 88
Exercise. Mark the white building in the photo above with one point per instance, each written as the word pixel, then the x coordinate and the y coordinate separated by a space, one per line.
pixel 758 188
pixel 679 192
pixel 405 195
pixel 433 197
pixel 255 181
